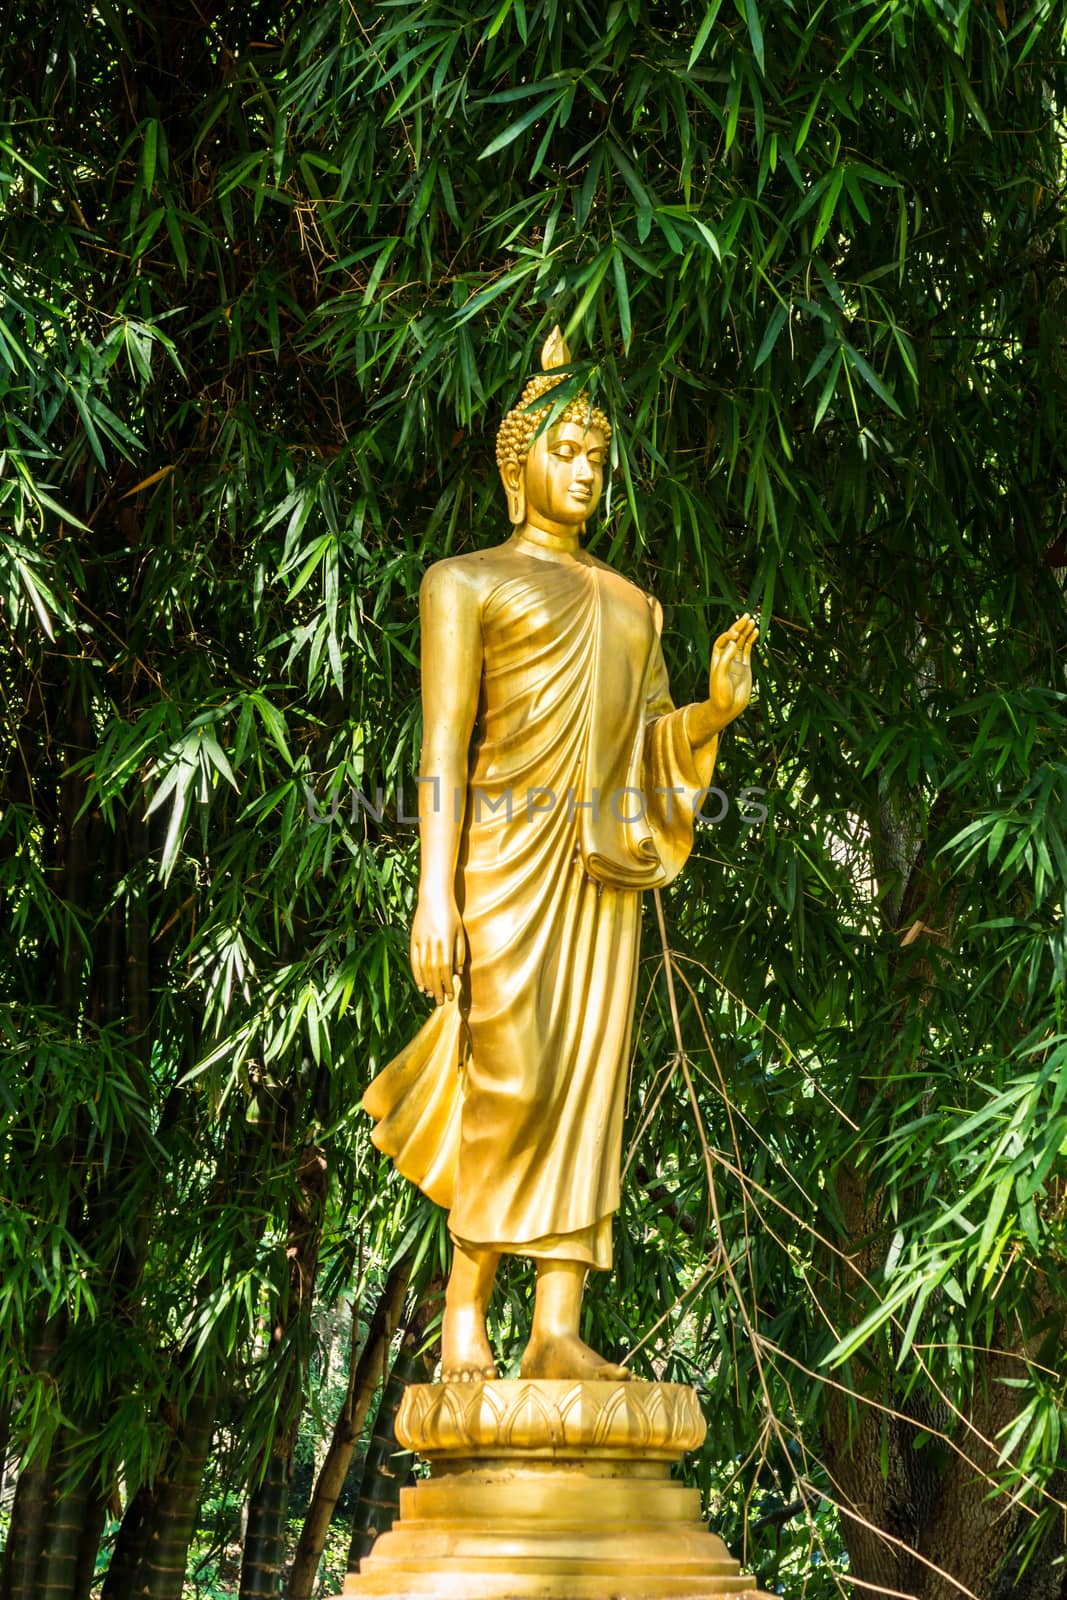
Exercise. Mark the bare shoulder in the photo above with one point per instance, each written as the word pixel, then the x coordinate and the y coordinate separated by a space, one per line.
pixel 466 578
pixel 470 578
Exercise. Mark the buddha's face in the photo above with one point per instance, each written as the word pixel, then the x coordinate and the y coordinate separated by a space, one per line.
pixel 565 473
pixel 563 476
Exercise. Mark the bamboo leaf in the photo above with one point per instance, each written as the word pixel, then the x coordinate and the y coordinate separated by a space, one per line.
pixel 148 154
pixel 515 129
pixel 704 32
pixel 775 325
pixel 755 33
pixel 618 267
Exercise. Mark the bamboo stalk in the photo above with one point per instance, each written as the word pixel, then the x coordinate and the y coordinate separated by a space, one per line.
pixel 378 1503
pixel 365 1374
pixel 125 1563
pixel 264 1546
pixel 69 1515
pixel 23 1548
pixel 166 1533
pixel 29 1512
pixel 89 1542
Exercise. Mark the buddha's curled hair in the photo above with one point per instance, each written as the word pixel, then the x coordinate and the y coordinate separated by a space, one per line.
pixel 519 426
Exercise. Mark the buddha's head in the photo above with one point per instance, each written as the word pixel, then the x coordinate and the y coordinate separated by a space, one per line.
pixel 554 476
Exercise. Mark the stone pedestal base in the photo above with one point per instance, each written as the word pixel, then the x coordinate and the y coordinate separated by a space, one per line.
pixel 550 1491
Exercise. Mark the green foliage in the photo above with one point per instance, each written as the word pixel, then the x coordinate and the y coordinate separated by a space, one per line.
pixel 268 280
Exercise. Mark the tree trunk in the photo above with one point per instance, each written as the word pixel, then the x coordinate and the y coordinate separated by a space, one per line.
pixel 915 1523
pixel 365 1373
pixel 1045 1577
pixel 961 1535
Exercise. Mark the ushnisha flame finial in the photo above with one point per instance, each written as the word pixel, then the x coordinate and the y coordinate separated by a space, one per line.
pixel 519 427
pixel 555 351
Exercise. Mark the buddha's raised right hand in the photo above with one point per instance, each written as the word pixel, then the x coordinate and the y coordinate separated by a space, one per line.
pixel 438 946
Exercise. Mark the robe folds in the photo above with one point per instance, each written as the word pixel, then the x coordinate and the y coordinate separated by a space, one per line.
pixel 507 1106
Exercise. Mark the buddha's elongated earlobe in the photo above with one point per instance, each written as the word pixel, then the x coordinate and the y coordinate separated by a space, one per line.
pixel 513 477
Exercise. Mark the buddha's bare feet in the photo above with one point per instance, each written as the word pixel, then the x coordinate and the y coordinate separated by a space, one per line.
pixel 566 1356
pixel 465 1353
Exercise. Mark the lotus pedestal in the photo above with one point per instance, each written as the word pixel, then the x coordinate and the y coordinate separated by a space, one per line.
pixel 549 1491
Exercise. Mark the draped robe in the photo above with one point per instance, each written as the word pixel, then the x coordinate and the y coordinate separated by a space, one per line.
pixel 507 1106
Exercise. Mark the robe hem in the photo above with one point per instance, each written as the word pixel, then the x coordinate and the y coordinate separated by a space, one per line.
pixel 591 1246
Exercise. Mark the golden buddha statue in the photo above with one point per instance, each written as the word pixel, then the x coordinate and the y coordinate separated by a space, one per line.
pixel 558 781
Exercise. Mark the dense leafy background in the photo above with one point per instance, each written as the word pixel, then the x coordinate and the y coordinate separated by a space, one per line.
pixel 269 277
